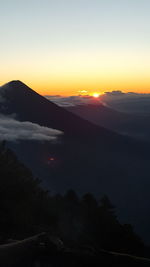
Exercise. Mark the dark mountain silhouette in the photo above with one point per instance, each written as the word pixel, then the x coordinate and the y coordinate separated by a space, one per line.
pixel 29 105
pixel 86 158
pixel 135 125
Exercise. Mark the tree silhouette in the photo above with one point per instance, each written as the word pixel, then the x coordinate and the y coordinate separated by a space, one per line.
pixel 25 209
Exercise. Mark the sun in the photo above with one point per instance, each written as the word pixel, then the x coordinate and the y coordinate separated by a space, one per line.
pixel 96 95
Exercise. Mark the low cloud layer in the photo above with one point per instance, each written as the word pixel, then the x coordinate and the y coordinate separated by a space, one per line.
pixel 126 102
pixel 72 100
pixel 119 96
pixel 14 130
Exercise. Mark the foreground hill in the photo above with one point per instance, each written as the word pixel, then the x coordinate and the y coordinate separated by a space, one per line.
pixel 82 222
pixel 86 158
pixel 28 252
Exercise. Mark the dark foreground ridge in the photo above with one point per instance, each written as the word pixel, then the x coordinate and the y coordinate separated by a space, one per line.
pixel 44 250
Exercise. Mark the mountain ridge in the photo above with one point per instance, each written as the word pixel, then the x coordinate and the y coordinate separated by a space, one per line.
pixel 15 95
pixel 134 125
pixel 87 159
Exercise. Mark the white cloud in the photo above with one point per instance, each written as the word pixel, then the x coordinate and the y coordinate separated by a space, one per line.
pixel 14 130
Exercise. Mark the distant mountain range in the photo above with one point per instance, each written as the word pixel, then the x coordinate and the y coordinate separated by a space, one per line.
pixel 132 124
pixel 87 157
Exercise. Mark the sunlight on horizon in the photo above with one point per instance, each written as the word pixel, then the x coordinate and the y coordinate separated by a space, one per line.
pixel 62 47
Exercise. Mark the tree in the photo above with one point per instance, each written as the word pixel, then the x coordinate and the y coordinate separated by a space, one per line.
pixel 23 203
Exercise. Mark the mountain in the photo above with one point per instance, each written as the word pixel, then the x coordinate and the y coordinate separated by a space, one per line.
pixel 135 125
pixel 86 158
pixel 28 105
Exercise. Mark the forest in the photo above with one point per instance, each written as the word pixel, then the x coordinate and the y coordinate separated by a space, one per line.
pixel 27 209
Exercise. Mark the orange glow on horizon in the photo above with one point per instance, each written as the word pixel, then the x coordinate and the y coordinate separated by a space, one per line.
pixel 84 86
pixel 70 87
pixel 81 71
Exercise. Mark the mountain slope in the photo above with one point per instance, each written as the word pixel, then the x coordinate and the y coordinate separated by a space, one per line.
pixel 87 158
pixel 130 124
pixel 29 105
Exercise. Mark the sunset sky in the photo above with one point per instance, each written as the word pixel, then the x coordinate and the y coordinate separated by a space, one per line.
pixel 66 46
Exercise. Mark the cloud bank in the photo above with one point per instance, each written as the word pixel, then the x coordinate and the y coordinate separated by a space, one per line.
pixel 126 102
pixel 14 130
pixel 72 100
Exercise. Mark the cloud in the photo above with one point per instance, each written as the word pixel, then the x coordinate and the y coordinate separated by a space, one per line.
pixel 14 130
pixel 119 95
pixel 126 102
pixel 72 100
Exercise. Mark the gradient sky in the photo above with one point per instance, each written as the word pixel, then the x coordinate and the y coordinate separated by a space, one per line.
pixel 64 46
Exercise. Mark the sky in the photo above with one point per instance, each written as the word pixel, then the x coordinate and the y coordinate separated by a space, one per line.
pixel 62 47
